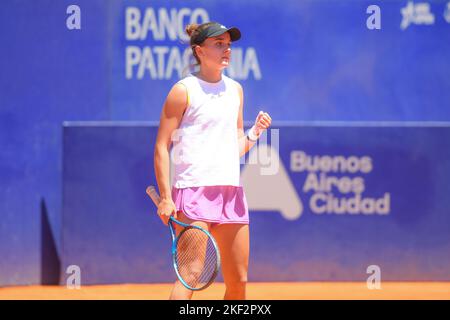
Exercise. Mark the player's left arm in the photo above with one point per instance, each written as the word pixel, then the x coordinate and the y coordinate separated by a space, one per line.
pixel 262 122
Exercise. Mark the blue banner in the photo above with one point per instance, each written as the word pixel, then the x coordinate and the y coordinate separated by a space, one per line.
pixel 326 203
pixel 303 60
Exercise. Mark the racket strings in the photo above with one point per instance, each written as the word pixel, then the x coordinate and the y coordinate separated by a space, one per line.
pixel 196 258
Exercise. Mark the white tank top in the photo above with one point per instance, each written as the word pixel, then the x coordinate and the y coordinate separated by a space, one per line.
pixel 205 149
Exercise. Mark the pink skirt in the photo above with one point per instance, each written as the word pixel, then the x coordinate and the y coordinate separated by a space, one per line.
pixel 216 204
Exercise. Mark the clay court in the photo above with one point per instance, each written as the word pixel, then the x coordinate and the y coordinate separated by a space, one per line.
pixel 255 291
pixel 306 144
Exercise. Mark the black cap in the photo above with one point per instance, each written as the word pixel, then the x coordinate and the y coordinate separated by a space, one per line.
pixel 215 29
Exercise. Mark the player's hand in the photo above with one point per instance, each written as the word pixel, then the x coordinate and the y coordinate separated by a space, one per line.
pixel 262 122
pixel 166 209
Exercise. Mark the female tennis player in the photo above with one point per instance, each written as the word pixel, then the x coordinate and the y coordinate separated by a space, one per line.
pixel 202 120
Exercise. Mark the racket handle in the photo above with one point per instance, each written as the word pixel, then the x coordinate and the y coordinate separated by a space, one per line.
pixel 151 191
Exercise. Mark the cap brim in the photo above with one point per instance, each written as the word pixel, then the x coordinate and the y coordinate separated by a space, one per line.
pixel 235 33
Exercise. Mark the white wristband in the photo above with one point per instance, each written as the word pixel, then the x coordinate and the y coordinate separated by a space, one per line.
pixel 251 135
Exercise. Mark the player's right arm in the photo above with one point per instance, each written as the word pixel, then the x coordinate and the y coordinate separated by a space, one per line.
pixel 171 114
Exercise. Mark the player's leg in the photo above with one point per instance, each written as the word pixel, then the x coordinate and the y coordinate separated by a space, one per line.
pixel 179 291
pixel 233 242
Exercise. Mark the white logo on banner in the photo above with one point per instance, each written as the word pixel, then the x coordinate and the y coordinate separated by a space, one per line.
pixel 447 13
pixel 333 184
pixel 416 13
pixel 270 192
pixel 162 61
pixel 331 189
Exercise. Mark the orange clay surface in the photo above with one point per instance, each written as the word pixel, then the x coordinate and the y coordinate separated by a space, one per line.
pixel 255 291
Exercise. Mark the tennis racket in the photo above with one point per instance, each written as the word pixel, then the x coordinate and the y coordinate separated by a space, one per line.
pixel 195 254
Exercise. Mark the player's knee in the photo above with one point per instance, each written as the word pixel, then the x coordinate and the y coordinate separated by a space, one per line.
pixel 237 283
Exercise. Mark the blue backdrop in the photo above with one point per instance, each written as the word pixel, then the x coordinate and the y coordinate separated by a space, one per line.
pixel 400 222
pixel 298 60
